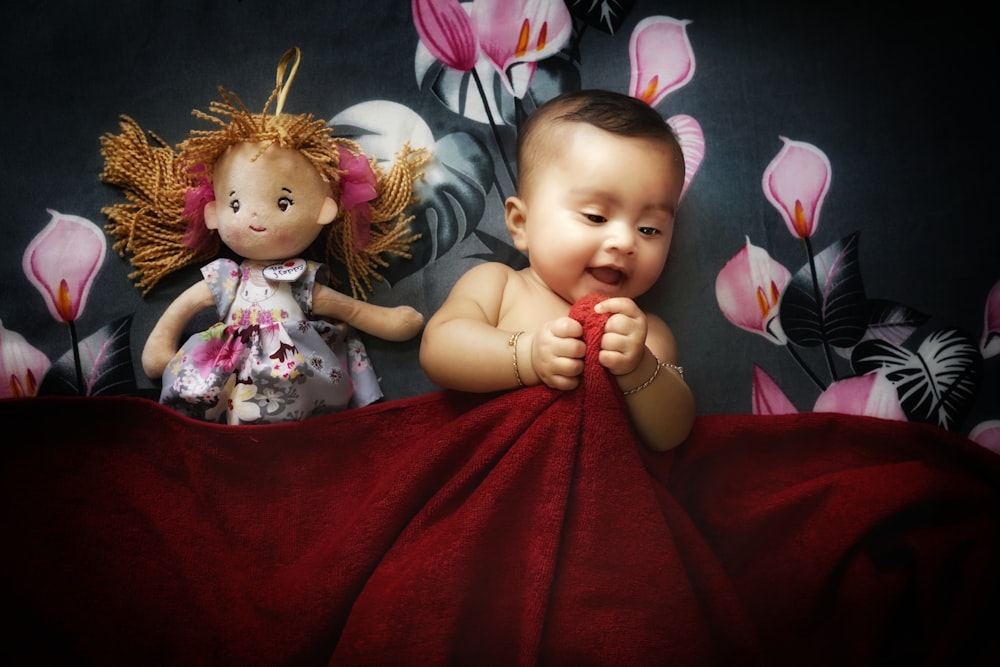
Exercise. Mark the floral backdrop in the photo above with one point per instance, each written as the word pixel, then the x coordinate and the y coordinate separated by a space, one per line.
pixel 835 250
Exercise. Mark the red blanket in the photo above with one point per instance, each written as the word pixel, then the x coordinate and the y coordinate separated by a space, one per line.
pixel 523 528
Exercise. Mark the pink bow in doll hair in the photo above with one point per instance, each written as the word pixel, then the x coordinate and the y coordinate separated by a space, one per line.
pixel 197 235
pixel 357 188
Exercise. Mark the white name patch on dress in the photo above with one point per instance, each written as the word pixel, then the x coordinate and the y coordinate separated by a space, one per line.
pixel 287 271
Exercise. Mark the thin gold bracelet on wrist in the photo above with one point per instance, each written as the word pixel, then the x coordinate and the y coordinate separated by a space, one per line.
pixel 513 353
pixel 656 371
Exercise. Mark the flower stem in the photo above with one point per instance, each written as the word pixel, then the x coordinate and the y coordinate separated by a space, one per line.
pixel 804 367
pixel 496 131
pixel 819 310
pixel 800 361
pixel 76 358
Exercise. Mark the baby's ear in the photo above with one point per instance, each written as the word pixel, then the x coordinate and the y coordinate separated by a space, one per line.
pixel 328 211
pixel 211 215
pixel 515 215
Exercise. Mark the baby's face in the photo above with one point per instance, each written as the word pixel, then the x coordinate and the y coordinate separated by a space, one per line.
pixel 600 213
pixel 271 208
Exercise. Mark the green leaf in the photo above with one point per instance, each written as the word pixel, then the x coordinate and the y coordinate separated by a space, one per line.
pixel 937 384
pixel 106 360
pixel 832 309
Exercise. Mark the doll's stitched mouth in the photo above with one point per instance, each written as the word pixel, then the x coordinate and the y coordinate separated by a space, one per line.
pixel 257 229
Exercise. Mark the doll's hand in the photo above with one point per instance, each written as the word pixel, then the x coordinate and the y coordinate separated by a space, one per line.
pixel 395 324
pixel 624 339
pixel 155 357
pixel 557 353
pixel 164 339
pixel 402 323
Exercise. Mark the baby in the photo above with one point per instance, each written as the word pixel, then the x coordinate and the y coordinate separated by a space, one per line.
pixel 600 176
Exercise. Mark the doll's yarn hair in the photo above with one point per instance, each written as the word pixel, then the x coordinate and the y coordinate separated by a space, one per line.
pixel 162 185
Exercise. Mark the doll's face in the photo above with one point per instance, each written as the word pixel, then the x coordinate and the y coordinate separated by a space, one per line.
pixel 271 208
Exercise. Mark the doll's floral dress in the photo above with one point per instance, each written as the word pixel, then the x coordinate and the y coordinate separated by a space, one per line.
pixel 266 361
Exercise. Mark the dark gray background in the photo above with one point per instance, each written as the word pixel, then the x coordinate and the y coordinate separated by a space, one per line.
pixel 897 101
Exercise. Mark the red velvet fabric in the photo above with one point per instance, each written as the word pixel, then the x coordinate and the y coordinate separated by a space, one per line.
pixel 522 528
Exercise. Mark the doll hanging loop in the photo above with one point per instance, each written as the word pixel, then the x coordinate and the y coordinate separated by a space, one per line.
pixel 281 84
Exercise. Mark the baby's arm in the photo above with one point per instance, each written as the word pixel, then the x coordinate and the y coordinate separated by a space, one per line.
pixel 462 348
pixel 397 323
pixel 164 340
pixel 633 344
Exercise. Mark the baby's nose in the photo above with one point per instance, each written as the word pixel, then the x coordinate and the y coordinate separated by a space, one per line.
pixel 622 238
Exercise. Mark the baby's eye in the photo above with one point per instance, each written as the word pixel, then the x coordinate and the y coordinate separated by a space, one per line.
pixel 649 231
pixel 235 205
pixel 284 204
pixel 594 217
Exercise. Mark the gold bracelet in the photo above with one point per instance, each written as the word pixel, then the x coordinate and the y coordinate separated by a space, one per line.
pixel 679 369
pixel 513 353
pixel 656 371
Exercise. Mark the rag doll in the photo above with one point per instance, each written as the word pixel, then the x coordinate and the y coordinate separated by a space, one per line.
pixel 287 197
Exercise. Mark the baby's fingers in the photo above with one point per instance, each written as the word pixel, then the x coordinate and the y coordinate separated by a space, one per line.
pixel 562 372
pixel 618 304
pixel 566 327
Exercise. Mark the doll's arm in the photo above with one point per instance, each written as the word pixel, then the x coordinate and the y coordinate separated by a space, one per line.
pixel 397 323
pixel 164 339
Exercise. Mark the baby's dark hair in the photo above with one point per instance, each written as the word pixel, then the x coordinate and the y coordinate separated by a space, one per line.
pixel 606 110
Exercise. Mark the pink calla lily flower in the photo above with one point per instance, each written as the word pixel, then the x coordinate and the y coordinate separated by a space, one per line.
pixel 987 434
pixel 661 58
pixel 692 141
pixel 870 395
pixel 446 30
pixel 767 398
pixel 62 262
pixel 748 290
pixel 796 183
pixel 520 31
pixel 990 344
pixel 22 366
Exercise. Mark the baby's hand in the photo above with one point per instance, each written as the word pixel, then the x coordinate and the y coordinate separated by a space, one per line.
pixel 557 351
pixel 624 339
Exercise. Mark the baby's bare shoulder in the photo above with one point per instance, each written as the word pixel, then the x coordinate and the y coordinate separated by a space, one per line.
pixel 478 293
pixel 488 277
pixel 490 271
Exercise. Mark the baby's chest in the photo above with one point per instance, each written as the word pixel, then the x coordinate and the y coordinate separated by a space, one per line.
pixel 525 308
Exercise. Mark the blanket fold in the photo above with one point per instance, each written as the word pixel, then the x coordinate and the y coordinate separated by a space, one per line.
pixel 520 528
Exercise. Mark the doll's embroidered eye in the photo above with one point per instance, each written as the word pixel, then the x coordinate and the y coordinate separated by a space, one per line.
pixel 235 205
pixel 284 203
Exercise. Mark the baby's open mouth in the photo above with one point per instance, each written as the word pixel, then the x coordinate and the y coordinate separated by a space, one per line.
pixel 607 275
